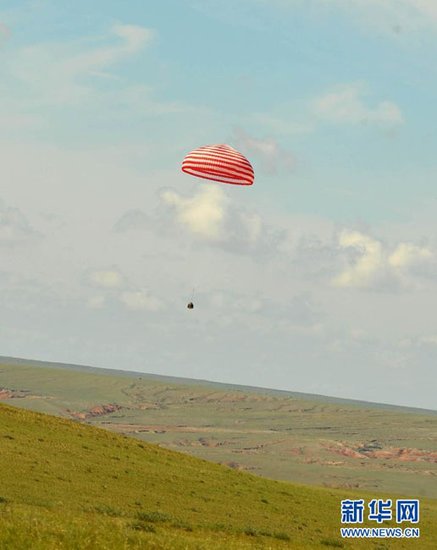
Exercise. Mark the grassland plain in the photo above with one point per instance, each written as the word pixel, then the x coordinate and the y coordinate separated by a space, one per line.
pixel 67 485
pixel 281 435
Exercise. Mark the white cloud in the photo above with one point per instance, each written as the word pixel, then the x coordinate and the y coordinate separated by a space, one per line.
pixel 134 219
pixel 272 157
pixel 210 216
pixel 46 83
pixel 264 313
pixel 55 74
pixel 372 265
pixel 346 106
pixel 429 339
pixel 253 225
pixel 407 254
pixel 314 252
pixel 138 300
pixel 133 39
pixel 235 303
pixel 134 36
pixel 109 278
pixel 14 227
pixel 96 302
pixel 140 99
pixel 203 214
pixel 367 266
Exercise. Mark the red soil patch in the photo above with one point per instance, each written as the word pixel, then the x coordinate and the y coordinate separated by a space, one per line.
pixel 98 410
pixel 389 453
pixel 12 394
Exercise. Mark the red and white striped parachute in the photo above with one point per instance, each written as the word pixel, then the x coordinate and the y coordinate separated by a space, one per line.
pixel 219 163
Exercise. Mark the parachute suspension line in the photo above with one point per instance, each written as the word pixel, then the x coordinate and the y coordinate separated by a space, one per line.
pixel 191 302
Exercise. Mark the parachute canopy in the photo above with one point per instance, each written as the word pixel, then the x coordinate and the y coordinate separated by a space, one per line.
pixel 219 163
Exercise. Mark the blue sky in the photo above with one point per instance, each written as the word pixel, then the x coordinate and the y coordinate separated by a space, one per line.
pixel 320 278
pixel 239 64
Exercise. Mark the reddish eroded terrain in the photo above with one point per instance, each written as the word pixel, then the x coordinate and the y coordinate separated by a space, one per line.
pixel 375 450
pixel 98 410
pixel 343 450
pixel 408 455
pixel 6 393
pixel 237 466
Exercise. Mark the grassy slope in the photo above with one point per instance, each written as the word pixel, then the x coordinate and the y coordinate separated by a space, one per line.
pixel 67 485
pixel 279 435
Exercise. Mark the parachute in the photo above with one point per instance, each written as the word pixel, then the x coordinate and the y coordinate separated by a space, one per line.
pixel 220 163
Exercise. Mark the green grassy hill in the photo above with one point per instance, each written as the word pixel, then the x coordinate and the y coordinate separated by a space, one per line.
pixel 67 485
pixel 280 435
